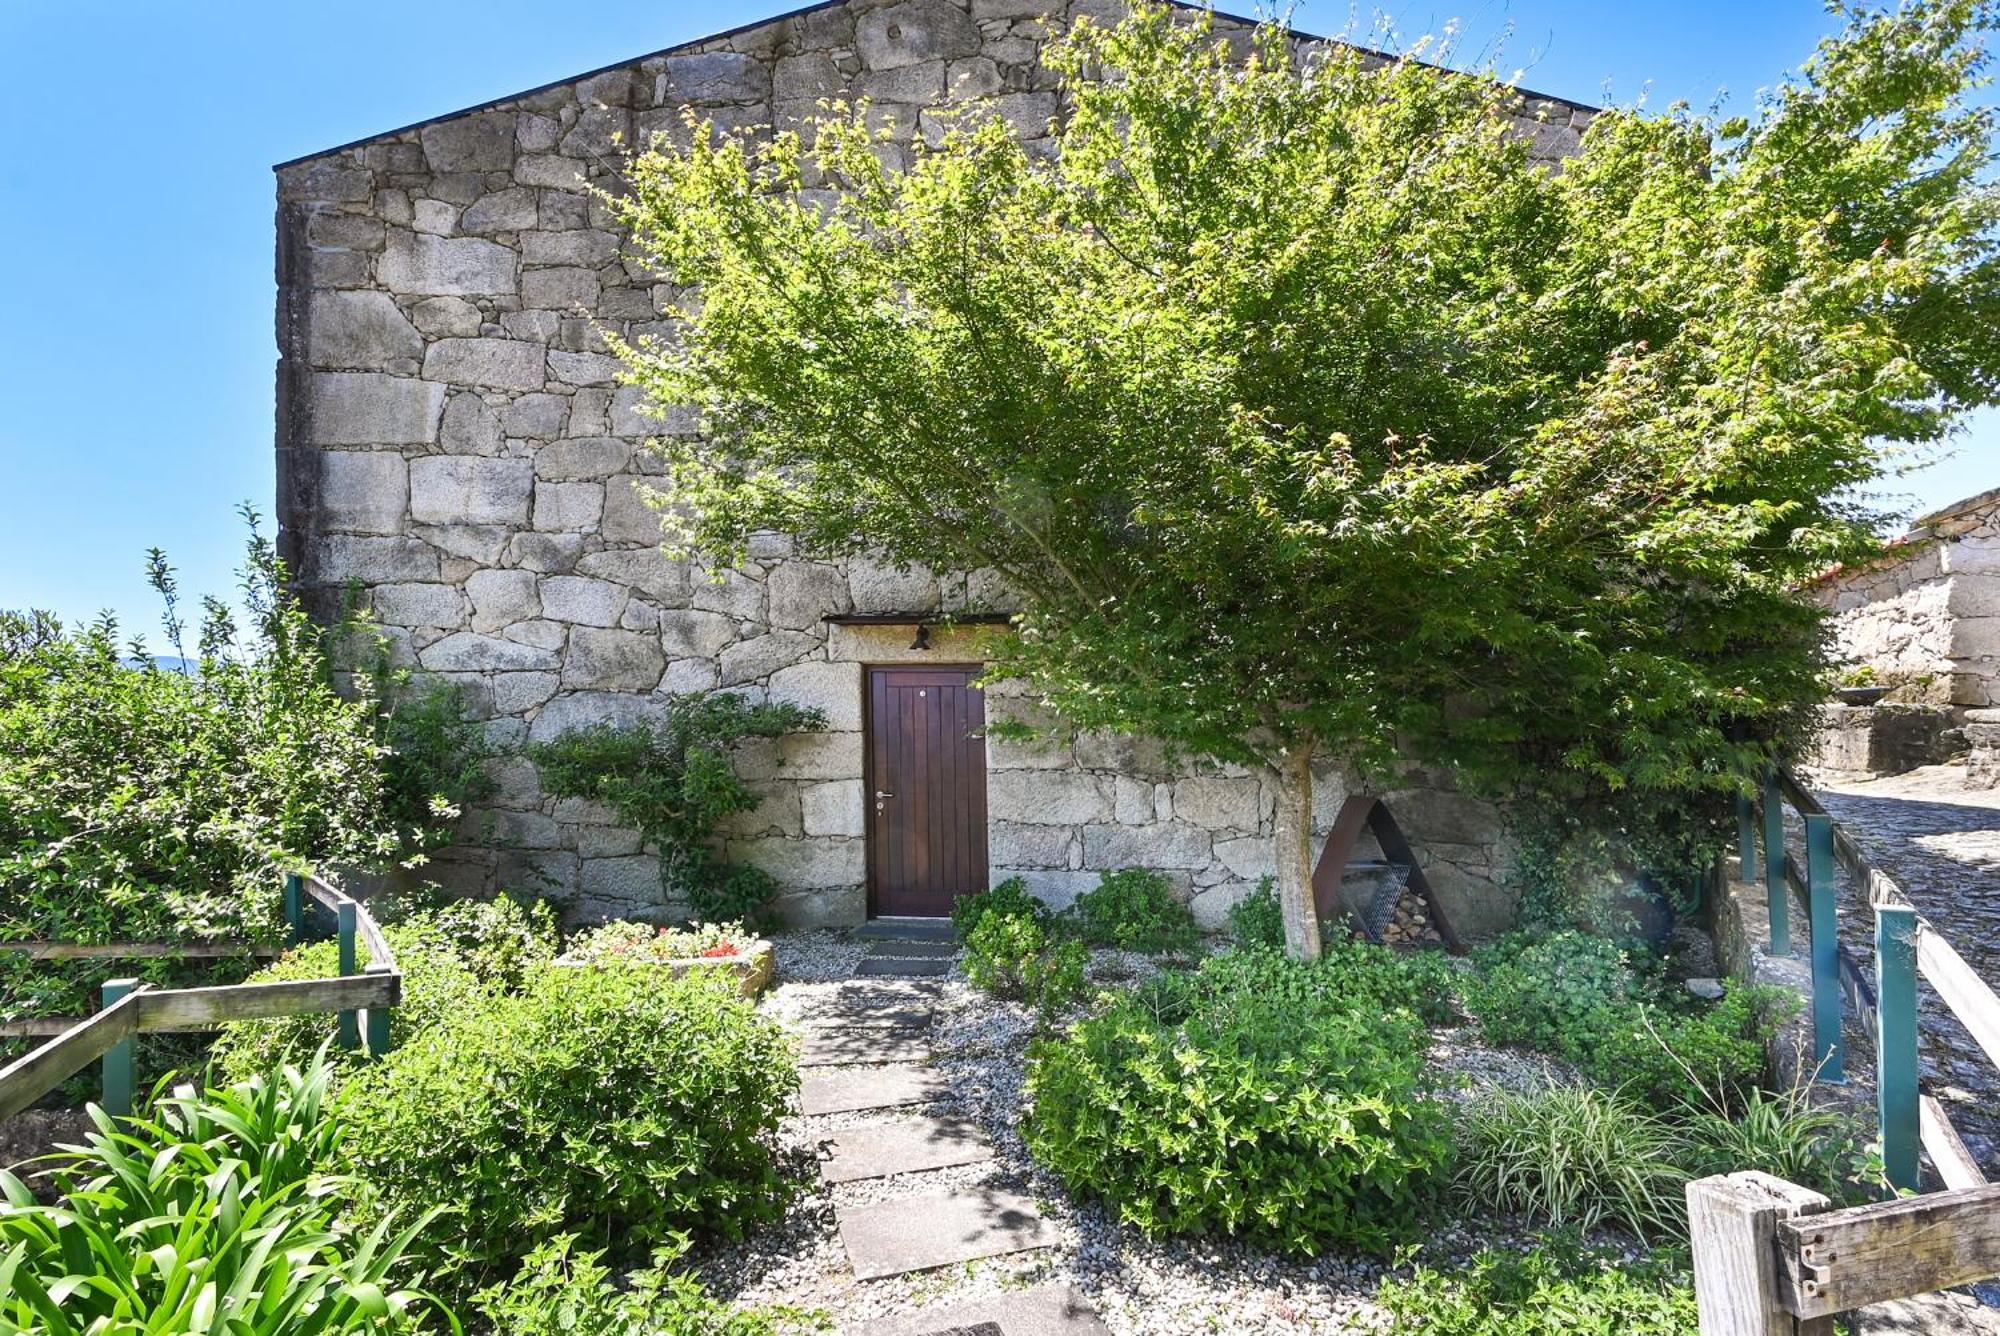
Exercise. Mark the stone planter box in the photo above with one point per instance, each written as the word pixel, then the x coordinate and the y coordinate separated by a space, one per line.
pixel 756 969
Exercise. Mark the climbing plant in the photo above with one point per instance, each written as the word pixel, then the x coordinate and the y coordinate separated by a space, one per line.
pixel 1312 414
pixel 670 777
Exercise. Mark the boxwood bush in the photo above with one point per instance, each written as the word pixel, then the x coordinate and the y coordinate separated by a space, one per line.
pixel 610 1103
pixel 1287 1118
pixel 1133 910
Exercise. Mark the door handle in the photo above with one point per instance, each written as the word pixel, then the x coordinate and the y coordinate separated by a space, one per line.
pixel 879 795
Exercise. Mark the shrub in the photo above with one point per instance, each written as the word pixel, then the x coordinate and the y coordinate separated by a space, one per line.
pixel 612 1103
pixel 205 1217
pixel 1299 1124
pixel 1573 1155
pixel 1553 993
pixel 1348 976
pixel 1133 910
pixel 624 942
pixel 1014 957
pixel 670 778
pixel 1010 898
pixel 1678 1056
pixel 562 1292
pixel 1561 1287
pixel 1257 919
pixel 453 958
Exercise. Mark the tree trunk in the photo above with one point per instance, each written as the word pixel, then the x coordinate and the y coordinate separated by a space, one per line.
pixel 1293 831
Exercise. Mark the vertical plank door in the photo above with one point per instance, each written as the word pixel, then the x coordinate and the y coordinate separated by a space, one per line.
pixel 926 789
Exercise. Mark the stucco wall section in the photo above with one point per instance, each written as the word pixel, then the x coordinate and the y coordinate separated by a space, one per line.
pixel 452 437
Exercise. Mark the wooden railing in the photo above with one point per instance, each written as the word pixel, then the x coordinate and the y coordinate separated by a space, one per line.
pixel 1772 1257
pixel 130 1008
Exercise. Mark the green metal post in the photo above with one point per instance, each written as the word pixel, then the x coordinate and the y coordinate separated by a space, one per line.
pixel 295 904
pixel 350 1027
pixel 378 1019
pixel 1829 1049
pixel 1746 840
pixel 1774 867
pixel 120 1059
pixel 1896 1040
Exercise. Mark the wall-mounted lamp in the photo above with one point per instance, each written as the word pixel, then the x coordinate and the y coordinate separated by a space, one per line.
pixel 923 640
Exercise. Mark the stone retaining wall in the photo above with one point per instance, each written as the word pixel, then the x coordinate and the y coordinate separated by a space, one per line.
pixel 452 437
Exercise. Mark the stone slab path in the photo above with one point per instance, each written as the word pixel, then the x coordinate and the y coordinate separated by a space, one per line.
pixel 1047 1310
pixel 867 1048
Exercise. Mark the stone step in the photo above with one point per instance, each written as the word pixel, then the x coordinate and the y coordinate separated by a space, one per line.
pixel 939 1229
pixel 879 967
pixel 905 930
pixel 900 949
pixel 857 1089
pixel 848 1046
pixel 1046 1310
pixel 903 1146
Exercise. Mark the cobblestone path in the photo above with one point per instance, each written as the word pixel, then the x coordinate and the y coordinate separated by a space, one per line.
pixel 1939 839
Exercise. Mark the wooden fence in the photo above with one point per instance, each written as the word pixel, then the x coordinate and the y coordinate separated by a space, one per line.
pixel 361 998
pixel 1773 1257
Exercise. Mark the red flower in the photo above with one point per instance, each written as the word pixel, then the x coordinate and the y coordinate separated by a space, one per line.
pixel 720 949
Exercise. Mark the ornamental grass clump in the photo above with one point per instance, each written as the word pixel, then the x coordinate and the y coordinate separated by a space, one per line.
pixel 1292 1121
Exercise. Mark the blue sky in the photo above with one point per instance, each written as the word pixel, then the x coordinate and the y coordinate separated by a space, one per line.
pixel 136 352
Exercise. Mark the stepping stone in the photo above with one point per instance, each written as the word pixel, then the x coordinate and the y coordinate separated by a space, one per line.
pixel 917 1233
pixel 907 1146
pixel 905 930
pixel 876 967
pixel 1046 1310
pixel 847 1047
pixel 856 1089
pixel 904 950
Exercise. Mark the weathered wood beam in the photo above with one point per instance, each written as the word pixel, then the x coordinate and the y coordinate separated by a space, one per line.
pixel 1843 1260
pixel 199 1008
pixel 139 950
pixel 33 1075
pixel 1733 1222
pixel 1968 995
pixel 1953 1162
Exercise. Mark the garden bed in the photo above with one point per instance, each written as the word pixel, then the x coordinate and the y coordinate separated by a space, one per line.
pixel 677 952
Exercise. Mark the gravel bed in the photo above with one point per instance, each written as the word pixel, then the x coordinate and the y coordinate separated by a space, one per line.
pixel 1140 1287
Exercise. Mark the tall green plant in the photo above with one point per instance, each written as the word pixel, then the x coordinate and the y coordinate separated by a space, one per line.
pixel 670 777
pixel 1534 457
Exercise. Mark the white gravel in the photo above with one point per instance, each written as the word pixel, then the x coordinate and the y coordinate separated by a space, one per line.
pixel 1173 1287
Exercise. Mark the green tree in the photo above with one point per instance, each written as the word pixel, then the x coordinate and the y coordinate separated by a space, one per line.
pixel 1311 415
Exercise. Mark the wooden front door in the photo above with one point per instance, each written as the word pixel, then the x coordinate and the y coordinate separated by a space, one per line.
pixel 926 778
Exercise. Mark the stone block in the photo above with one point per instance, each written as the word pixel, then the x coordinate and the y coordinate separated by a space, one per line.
pixel 562 288
pixel 1047 797
pixel 361 491
pixel 832 688
pixel 1249 856
pixel 359 330
pixel 1123 753
pixel 800 756
pixel 1220 803
pixel 584 457
pixel 569 368
pixel 1164 844
pixel 806 77
pixel 471 652
pixel 632 416
pixel 568 505
pixel 633 880
pixel 836 807
pixel 598 133
pixel 469 426
pixel 503 364
pixel 1211 906
pixel 438 605
pixel 338 558
pixel 582 247
pixel 539 632
pixel 583 601
pixel 435 216
pixel 645 569
pixel 457 489
pixel 922 84
pixel 1017 844
pixel 1054 888
pixel 420 264
pixel 567 713
pixel 439 317
pixel 507 210
pixel 913 32
pixel 877 587
pixel 518 693
pixel 684 676
pixel 690 634
pixel 758 657
pixel 481 142
pixel 604 659
pixel 538 416
pixel 1132 801
pixel 731 593
pixel 803 864
pixel 482 544
pixel 550 171
pixel 627 517
pixel 365 408
pixel 717 76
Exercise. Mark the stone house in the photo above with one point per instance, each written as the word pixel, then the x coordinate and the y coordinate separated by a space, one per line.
pixel 452 437
pixel 1926 618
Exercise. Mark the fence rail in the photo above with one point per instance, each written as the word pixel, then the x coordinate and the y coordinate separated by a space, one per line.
pixel 1772 1257
pixel 359 997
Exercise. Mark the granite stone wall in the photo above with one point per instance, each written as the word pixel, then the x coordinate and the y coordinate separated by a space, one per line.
pixel 453 438
pixel 1930 609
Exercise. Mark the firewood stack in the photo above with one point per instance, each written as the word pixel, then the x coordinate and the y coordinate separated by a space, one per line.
pixel 1410 924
